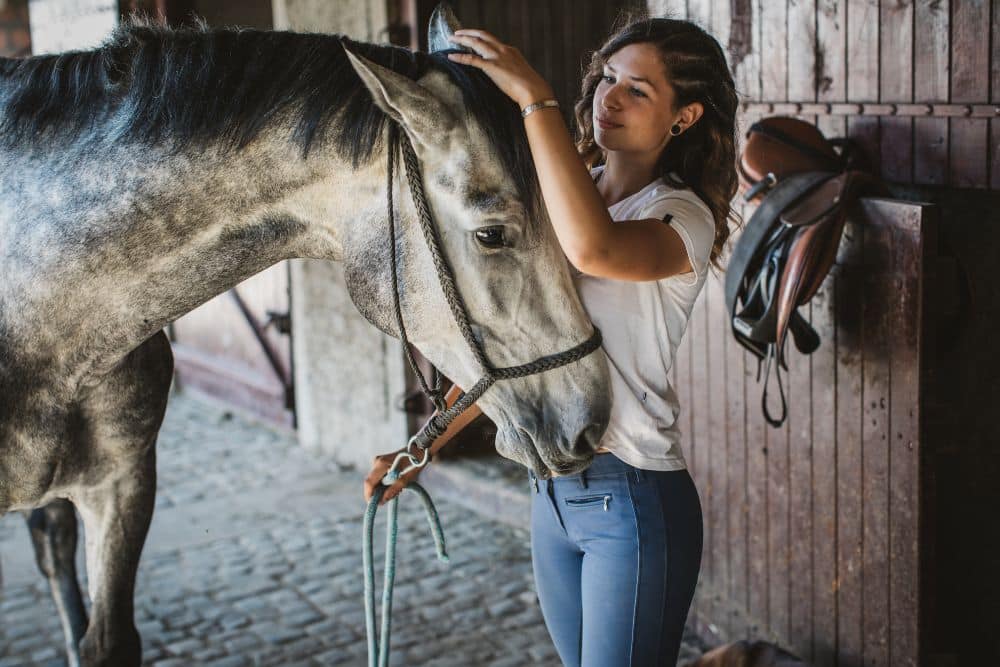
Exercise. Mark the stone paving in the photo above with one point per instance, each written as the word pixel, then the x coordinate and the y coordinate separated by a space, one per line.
pixel 254 558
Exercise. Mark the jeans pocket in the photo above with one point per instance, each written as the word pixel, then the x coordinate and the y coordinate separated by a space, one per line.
pixel 596 500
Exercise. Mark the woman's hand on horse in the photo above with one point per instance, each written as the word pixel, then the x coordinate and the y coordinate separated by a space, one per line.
pixel 504 64
pixel 380 466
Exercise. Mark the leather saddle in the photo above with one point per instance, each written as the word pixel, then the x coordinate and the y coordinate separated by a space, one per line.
pixel 806 185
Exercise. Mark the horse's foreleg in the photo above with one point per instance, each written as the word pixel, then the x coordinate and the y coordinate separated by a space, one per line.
pixel 120 420
pixel 116 518
pixel 53 533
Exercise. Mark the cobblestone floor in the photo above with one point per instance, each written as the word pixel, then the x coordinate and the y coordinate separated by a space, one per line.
pixel 254 558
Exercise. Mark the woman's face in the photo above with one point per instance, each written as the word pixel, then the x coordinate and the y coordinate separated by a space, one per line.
pixel 634 103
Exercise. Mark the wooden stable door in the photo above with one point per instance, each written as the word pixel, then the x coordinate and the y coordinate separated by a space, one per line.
pixel 813 530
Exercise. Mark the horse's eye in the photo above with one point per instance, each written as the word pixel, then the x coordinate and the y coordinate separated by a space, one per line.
pixel 490 237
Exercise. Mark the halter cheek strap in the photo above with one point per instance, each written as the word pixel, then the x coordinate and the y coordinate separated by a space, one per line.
pixel 490 374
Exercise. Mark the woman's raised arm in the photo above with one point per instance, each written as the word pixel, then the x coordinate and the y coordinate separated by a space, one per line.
pixel 634 249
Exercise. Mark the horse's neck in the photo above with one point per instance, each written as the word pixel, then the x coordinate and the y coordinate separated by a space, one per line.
pixel 166 238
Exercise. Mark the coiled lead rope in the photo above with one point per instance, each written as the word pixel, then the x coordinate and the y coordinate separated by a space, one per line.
pixel 378 645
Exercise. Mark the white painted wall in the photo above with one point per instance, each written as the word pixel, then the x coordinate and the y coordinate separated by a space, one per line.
pixel 348 375
pixel 64 25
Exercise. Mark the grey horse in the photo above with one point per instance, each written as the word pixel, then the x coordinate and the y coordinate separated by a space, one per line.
pixel 142 178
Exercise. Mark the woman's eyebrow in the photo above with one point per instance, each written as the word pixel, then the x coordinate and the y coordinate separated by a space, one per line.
pixel 634 78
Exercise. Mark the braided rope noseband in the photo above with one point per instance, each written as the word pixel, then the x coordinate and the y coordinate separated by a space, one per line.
pixel 446 278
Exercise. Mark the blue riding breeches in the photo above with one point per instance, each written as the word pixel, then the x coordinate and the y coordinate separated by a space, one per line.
pixel 616 552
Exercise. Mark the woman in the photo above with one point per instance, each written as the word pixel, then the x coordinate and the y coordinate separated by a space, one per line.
pixel 616 549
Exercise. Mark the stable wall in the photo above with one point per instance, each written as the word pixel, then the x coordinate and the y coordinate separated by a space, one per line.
pixel 349 376
pixel 862 531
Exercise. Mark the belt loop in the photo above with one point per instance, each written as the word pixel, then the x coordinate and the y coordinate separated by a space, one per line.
pixel 583 478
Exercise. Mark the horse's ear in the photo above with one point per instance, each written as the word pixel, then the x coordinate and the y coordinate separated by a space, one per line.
pixel 441 27
pixel 424 117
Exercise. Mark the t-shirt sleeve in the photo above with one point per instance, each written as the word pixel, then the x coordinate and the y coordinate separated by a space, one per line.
pixel 693 222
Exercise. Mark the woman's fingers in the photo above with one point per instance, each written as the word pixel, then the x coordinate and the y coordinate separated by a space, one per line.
pixel 481 47
pixel 479 34
pixel 468 59
pixel 375 477
pixel 397 487
pixel 380 466
pixel 392 492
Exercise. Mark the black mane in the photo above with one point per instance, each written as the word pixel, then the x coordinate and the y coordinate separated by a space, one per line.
pixel 150 83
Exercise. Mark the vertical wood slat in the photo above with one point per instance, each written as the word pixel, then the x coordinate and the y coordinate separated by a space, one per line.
pixel 832 85
pixel 700 407
pixel 931 84
pixel 738 589
pixel 896 85
pixel 831 34
pixel 911 248
pixel 736 478
pixel 876 398
pixel 802 35
pixel 831 79
pixel 774 78
pixel 862 63
pixel 824 481
pixel 970 76
pixel 719 338
pixel 714 470
pixel 848 372
pixel 862 86
pixel 756 444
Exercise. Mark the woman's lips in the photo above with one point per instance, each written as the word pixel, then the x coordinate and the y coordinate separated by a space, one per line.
pixel 605 124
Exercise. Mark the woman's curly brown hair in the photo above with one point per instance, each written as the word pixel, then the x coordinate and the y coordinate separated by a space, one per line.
pixel 704 156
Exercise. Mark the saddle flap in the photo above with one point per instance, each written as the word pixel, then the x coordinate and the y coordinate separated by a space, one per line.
pixel 817 204
pixel 812 253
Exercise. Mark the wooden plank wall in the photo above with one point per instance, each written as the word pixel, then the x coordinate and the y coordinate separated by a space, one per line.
pixel 811 529
pixel 866 51
pixel 811 534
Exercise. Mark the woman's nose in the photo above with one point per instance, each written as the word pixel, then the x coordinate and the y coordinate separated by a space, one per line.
pixel 610 100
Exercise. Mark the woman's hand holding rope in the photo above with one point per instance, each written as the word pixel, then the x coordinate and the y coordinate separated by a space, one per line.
pixel 383 462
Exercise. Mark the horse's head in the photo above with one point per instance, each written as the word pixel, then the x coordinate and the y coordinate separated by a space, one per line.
pixel 508 267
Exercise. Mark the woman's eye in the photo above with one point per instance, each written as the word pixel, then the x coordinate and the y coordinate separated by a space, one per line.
pixel 637 92
pixel 490 237
pixel 608 79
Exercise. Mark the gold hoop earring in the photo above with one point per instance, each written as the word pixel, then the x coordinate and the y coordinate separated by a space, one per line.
pixel 675 129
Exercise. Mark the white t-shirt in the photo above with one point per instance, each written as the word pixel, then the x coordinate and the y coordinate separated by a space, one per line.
pixel 642 324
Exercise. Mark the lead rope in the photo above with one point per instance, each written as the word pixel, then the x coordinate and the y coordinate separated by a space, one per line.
pixel 378 642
